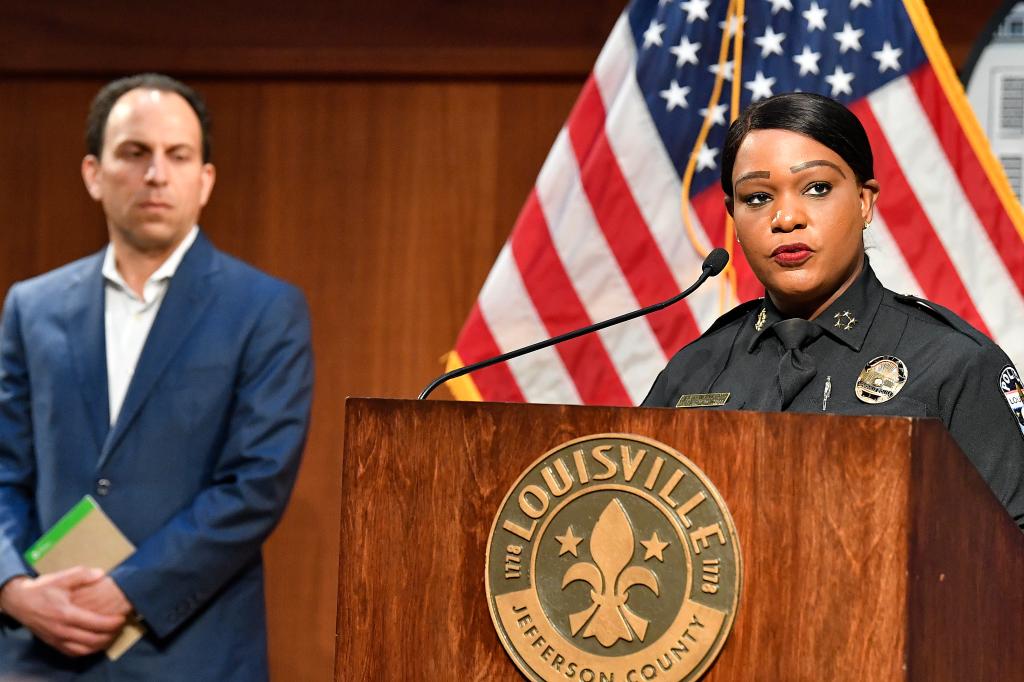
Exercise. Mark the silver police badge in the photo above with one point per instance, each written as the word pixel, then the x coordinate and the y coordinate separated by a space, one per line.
pixel 881 379
pixel 1013 391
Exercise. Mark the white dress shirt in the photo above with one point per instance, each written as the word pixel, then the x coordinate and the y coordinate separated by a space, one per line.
pixel 128 318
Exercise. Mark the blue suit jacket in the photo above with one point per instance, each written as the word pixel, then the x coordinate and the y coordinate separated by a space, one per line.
pixel 200 463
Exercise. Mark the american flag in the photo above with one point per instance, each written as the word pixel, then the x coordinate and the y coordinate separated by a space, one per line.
pixel 603 231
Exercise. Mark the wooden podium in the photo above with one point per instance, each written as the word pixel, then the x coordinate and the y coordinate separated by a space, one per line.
pixel 872 549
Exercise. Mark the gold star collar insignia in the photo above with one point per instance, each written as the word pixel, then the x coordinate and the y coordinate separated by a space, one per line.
pixel 845 320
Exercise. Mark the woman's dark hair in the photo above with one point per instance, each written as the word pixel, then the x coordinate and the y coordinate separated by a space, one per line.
pixel 99 111
pixel 818 117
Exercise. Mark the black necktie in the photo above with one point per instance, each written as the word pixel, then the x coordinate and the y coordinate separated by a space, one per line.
pixel 796 368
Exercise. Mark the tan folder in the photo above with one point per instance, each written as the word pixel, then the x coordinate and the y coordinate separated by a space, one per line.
pixel 85 536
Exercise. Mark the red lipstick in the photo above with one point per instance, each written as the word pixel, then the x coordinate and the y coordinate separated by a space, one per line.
pixel 792 255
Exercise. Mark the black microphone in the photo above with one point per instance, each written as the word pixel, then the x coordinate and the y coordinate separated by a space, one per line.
pixel 713 265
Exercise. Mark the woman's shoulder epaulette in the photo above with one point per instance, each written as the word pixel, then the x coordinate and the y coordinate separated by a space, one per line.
pixel 736 314
pixel 943 314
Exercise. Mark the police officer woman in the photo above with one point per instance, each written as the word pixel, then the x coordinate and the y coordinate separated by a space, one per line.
pixel 798 176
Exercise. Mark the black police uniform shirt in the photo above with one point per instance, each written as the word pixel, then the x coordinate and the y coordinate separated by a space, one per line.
pixel 950 371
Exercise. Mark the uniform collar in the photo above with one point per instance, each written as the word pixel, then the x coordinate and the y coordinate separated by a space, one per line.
pixel 847 320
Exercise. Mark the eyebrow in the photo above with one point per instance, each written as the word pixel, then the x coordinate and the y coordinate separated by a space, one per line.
pixel 149 147
pixel 752 175
pixel 819 162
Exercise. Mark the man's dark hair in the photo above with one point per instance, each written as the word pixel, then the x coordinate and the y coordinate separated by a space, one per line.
pixel 818 117
pixel 99 111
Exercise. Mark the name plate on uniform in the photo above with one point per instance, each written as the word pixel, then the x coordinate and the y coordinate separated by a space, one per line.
pixel 702 399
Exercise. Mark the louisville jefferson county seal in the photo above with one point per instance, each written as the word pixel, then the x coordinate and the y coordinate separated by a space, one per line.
pixel 613 558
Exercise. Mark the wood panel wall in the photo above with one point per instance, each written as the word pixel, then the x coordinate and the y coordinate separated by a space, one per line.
pixel 374 155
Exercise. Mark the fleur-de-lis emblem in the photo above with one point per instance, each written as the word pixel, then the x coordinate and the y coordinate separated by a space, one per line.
pixel 610 577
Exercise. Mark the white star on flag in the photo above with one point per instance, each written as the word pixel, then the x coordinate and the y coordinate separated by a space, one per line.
pixel 685 52
pixel 849 38
pixel 854 4
pixel 760 87
pixel 781 4
pixel 808 61
pixel 726 70
pixel 888 57
pixel 840 81
pixel 675 96
pixel 695 9
pixel 815 17
pixel 734 24
pixel 662 3
pixel 706 158
pixel 717 116
pixel 652 36
pixel 770 42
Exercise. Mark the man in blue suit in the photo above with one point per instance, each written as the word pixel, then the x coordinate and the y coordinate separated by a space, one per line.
pixel 171 382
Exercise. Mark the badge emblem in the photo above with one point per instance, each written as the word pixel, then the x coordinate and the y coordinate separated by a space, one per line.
pixel 1013 391
pixel 762 317
pixel 845 320
pixel 613 557
pixel 881 379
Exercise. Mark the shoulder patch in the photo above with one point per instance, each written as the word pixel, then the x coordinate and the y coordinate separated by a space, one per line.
pixel 737 313
pixel 1013 391
pixel 943 314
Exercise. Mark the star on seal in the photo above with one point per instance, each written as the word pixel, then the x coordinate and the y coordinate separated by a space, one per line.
pixel 655 546
pixel 569 542
pixel 845 320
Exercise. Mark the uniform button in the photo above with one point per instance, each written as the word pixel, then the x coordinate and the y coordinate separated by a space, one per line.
pixel 102 487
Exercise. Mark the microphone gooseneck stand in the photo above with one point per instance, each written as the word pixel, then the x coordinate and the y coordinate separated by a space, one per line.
pixel 713 265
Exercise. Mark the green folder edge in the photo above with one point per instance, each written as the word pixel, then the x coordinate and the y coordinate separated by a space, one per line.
pixel 51 537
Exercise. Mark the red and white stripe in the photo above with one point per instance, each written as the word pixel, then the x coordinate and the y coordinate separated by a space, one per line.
pixel 600 235
pixel 934 194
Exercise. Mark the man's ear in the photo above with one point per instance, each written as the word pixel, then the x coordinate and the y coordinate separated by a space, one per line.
pixel 729 204
pixel 91 173
pixel 208 178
